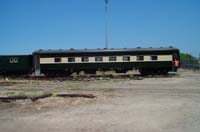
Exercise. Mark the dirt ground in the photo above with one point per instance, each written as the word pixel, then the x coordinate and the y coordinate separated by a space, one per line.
pixel 121 105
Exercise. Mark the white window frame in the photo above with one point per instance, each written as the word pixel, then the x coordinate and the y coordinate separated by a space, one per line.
pixel 129 58
pixel 96 60
pixel 110 60
pixel 59 58
pixel 72 58
pixel 15 59
pixel 11 60
pixel 154 56
pixel 85 59
pixel 138 58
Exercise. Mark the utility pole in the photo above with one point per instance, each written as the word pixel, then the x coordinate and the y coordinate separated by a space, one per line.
pixel 106 22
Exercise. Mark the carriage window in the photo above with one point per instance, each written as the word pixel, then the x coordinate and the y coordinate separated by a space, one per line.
pixel 154 57
pixel 84 59
pixel 57 59
pixel 126 58
pixel 15 60
pixel 11 60
pixel 98 59
pixel 140 58
pixel 71 59
pixel 112 58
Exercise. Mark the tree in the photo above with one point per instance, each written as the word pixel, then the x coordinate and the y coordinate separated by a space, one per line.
pixel 186 56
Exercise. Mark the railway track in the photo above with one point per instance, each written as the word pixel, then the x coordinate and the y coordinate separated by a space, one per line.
pixel 88 77
pixel 141 91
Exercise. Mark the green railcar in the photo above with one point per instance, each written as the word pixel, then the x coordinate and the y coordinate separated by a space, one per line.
pixel 15 64
pixel 146 60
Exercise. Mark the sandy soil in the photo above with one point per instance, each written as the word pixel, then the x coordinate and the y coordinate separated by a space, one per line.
pixel 148 105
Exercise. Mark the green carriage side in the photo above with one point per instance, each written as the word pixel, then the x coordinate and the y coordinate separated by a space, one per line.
pixel 55 61
pixel 15 64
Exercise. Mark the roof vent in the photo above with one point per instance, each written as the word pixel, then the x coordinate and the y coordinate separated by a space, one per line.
pixel 72 49
pixel 138 47
pixel 40 49
pixel 170 46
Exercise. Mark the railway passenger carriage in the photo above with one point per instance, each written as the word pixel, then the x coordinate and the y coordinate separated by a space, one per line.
pixel 146 60
pixel 16 64
pixel 65 62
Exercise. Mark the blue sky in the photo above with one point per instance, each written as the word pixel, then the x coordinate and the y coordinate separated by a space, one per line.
pixel 29 25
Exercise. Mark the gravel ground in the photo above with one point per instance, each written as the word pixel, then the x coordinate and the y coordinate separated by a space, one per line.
pixel 148 105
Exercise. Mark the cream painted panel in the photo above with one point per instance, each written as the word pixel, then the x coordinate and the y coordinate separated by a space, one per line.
pixel 132 58
pixel 106 59
pixel 77 59
pixel 91 59
pixel 119 59
pixel 165 58
pixel 46 60
pixel 146 58
pixel 51 60
pixel 65 60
